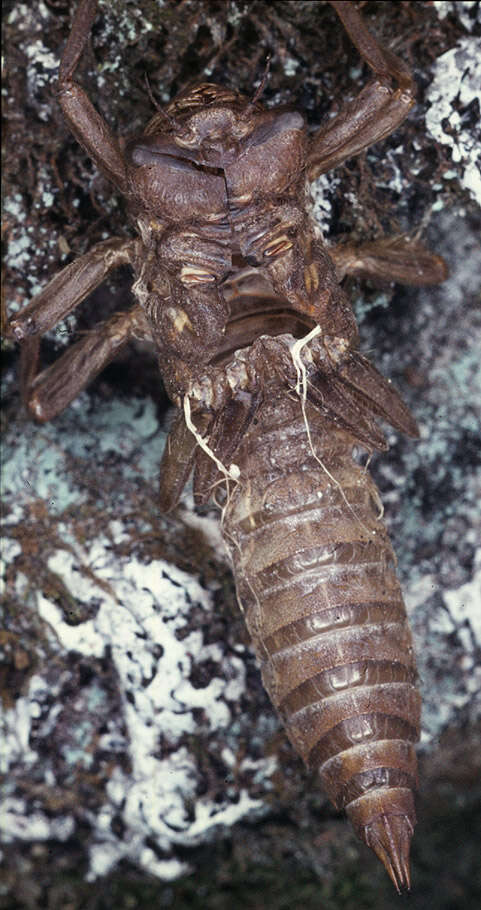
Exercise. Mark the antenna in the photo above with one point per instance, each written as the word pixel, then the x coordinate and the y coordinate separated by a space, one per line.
pixel 262 84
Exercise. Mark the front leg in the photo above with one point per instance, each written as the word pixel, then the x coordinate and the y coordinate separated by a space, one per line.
pixel 86 124
pixel 377 110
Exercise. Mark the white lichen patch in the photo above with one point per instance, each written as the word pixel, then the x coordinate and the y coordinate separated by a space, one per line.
pixel 394 181
pixel 319 201
pixel 290 65
pixel 16 725
pixel 467 11
pixel 36 827
pixel 20 239
pixel 10 549
pixel 450 677
pixel 455 89
pixel 35 468
pixel 21 15
pixel 127 24
pixel 139 622
pixel 42 62
pixel 120 27
pixel 21 248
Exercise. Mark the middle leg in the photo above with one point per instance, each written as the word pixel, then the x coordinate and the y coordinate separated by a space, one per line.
pixel 49 393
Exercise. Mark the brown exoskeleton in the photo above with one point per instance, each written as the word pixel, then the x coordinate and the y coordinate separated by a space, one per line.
pixel 257 346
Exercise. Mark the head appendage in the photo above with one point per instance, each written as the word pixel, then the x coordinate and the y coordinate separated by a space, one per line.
pixel 153 99
pixel 260 88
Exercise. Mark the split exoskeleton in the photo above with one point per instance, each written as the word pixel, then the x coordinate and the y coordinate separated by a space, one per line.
pixel 257 346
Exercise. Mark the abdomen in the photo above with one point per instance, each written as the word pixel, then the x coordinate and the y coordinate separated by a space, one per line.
pixel 315 576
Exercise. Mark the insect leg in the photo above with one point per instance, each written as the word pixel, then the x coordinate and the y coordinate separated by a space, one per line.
pixel 53 389
pixel 390 259
pixel 70 286
pixel 377 110
pixel 86 124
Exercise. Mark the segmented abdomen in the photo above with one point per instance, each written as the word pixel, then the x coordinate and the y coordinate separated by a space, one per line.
pixel 315 575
